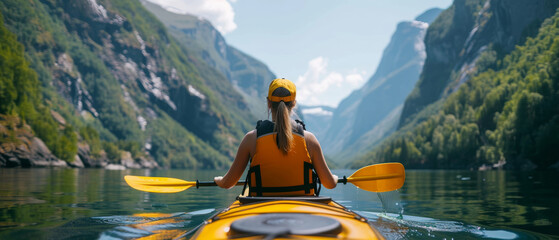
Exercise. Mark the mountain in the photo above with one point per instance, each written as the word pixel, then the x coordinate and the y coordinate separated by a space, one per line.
pixel 107 83
pixel 316 118
pixel 368 114
pixel 249 76
pixel 493 66
pixel 460 36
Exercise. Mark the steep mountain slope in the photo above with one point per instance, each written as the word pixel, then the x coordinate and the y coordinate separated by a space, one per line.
pixel 507 114
pixel 357 117
pixel 249 76
pixel 111 70
pixel 457 39
pixel 20 105
pixel 316 118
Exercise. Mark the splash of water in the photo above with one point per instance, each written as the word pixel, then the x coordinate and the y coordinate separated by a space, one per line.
pixel 392 203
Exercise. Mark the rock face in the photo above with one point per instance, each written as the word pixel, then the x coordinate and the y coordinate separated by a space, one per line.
pixel 462 33
pixel 122 74
pixel 359 116
pixel 33 152
pixel 26 150
pixel 39 155
pixel 127 161
pixel 88 160
pixel 146 162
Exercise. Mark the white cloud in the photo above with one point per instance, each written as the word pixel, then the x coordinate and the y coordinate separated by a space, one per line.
pixel 319 86
pixel 219 12
pixel 317 111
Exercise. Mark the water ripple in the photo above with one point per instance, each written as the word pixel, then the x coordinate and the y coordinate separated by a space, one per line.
pixel 155 225
pixel 413 227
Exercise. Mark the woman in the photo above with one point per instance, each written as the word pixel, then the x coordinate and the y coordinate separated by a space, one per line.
pixel 281 153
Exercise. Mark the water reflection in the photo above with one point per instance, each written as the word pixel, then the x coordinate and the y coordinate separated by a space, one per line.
pixel 146 226
pixel 93 203
pixel 493 198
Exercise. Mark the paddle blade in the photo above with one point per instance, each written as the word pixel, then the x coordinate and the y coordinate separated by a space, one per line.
pixel 158 184
pixel 382 177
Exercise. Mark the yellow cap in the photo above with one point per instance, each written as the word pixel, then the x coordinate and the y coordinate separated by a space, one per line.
pixel 284 83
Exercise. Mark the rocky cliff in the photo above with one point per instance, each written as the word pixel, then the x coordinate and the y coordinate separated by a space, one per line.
pixel 488 93
pixel 112 67
pixel 463 33
pixel 356 123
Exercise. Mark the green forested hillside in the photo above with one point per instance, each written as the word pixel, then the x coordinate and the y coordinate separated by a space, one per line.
pixel 460 34
pixel 118 81
pixel 509 111
pixel 21 101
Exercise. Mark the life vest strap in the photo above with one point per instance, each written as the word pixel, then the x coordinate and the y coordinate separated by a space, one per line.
pixel 307 168
pixel 257 178
pixel 307 185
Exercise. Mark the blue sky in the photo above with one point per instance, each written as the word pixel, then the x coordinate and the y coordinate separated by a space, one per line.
pixel 327 47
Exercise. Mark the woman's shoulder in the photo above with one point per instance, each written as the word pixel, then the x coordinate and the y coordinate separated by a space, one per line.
pixel 249 140
pixel 313 146
pixel 309 137
pixel 310 134
pixel 251 133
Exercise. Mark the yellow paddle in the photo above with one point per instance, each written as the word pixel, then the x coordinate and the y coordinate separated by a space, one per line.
pixel 382 177
pixel 165 184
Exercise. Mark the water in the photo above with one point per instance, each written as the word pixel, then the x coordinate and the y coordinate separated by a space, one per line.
pixel 95 203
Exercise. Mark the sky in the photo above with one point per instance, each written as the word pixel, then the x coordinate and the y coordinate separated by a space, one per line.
pixel 328 48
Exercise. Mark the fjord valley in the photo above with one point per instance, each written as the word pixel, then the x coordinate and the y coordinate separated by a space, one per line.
pixel 465 97
pixel 133 85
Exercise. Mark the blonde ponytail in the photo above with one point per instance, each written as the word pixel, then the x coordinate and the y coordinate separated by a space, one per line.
pixel 281 99
pixel 283 127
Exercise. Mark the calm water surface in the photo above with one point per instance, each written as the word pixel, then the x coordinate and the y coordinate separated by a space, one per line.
pixel 97 204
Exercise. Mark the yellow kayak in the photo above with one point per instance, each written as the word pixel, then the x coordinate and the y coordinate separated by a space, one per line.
pixel 286 218
pixel 282 217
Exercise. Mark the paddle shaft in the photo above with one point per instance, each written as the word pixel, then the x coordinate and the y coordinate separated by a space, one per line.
pixel 343 180
pixel 213 184
pixel 368 178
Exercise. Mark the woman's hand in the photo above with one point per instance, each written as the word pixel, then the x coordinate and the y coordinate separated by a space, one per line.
pixel 219 181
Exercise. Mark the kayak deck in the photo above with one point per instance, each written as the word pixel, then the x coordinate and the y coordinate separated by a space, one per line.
pixel 351 225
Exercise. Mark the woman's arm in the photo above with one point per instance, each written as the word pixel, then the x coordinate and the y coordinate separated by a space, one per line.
pixel 246 149
pixel 319 163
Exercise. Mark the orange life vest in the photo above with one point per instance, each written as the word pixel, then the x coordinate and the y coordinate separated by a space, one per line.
pixel 274 173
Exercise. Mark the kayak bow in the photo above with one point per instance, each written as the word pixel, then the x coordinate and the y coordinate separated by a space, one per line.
pixel 286 218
